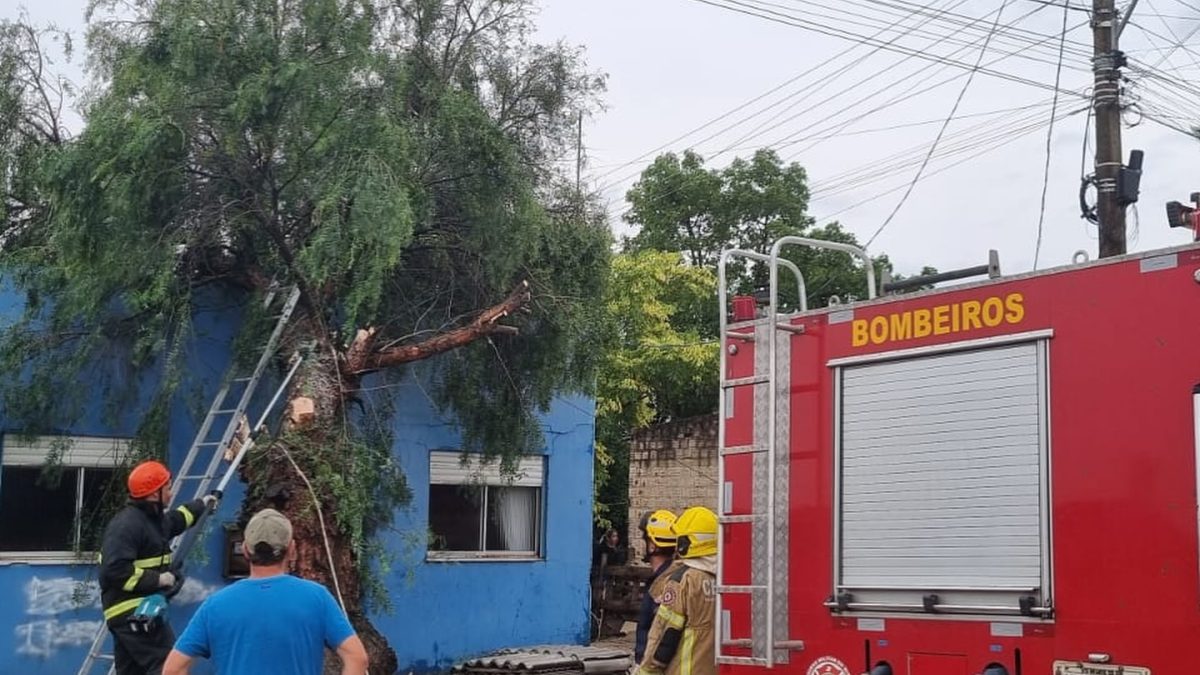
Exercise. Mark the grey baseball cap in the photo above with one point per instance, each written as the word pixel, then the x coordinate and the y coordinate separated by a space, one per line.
pixel 269 527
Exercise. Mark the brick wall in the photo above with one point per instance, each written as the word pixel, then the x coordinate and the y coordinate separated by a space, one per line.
pixel 671 466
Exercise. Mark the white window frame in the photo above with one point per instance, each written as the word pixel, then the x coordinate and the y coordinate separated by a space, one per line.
pixel 452 467
pixel 81 453
pixel 960 602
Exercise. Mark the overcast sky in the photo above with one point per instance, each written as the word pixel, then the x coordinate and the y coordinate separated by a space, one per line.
pixel 675 65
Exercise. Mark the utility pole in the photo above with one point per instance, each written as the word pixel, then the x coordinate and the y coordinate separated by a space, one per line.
pixel 1106 101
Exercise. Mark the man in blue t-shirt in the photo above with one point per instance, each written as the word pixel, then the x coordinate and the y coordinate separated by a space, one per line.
pixel 272 623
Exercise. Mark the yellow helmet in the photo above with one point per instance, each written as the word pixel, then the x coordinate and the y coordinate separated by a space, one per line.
pixel 657 528
pixel 696 531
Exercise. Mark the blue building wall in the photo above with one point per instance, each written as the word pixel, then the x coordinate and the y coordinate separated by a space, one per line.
pixel 469 608
pixel 441 611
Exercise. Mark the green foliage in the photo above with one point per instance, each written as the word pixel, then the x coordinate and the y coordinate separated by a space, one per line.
pixel 661 357
pixel 393 159
pixel 676 204
pixel 660 361
pixel 679 205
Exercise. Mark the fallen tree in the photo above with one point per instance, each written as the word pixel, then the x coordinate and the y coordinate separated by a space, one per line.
pixel 394 161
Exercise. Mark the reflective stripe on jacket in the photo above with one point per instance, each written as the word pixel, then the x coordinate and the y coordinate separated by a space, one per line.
pixel 646 614
pixel 136 550
pixel 681 640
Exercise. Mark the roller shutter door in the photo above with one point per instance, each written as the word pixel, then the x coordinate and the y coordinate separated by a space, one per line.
pixel 941 476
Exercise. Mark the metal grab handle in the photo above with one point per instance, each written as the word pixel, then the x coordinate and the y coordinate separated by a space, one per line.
pixel 821 243
pixel 731 253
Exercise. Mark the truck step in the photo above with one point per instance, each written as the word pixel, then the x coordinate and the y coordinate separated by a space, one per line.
pixel 743 381
pixel 742 518
pixel 740 589
pixel 741 661
pixel 743 450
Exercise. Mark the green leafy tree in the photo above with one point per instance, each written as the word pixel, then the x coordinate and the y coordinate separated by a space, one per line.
pixel 663 289
pixel 391 160
pixel 679 205
pixel 659 361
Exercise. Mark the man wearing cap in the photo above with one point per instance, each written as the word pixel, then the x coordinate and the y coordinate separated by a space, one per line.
pixel 271 623
pixel 135 562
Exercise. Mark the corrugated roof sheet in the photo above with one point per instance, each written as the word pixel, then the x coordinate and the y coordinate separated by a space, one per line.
pixel 552 658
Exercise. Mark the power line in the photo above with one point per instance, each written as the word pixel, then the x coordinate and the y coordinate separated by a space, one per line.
pixel 1189 5
pixel 915 9
pixel 1007 139
pixel 797 22
pixel 1037 251
pixel 787 140
pixel 1065 4
pixel 1179 43
pixel 948 29
pixel 781 142
pixel 933 147
pixel 1176 46
pixel 754 132
pixel 745 105
pixel 906 125
pixel 883 168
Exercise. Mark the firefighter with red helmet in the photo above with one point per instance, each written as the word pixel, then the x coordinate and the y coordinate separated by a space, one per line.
pixel 659 540
pixel 681 640
pixel 135 559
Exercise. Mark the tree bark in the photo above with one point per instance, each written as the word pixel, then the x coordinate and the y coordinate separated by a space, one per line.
pixel 362 357
pixel 281 476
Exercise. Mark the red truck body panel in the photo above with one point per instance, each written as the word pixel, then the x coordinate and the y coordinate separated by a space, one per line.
pixel 1124 357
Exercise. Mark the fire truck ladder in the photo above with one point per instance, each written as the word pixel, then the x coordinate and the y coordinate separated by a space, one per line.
pixel 770 643
pixel 210 453
pixel 766 589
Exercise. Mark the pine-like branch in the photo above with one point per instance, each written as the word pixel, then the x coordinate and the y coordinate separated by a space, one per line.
pixel 362 356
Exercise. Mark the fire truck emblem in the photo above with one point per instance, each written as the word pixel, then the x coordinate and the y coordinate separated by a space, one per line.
pixel 827 665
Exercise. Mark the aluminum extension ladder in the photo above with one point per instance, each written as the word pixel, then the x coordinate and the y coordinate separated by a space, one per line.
pixel 209 452
pixel 769 642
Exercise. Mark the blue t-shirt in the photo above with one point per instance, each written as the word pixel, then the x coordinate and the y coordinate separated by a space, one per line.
pixel 275 625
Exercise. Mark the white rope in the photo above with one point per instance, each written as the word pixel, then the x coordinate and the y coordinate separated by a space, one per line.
pixel 324 533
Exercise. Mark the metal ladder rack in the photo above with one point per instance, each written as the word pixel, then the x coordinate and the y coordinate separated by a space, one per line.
pixel 770 643
pixel 214 450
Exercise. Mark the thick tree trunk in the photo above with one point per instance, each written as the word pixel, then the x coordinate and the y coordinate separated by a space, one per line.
pixel 283 476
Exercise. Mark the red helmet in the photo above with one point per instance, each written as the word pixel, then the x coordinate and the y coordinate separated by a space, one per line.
pixel 146 479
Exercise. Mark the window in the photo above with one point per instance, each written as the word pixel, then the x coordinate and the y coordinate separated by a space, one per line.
pixel 43 510
pixel 477 512
pixel 943 492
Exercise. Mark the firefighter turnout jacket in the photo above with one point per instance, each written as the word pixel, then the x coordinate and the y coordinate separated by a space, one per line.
pixel 681 637
pixel 136 550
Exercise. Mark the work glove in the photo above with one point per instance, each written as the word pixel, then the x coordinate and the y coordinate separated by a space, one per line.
pixel 176 585
pixel 210 502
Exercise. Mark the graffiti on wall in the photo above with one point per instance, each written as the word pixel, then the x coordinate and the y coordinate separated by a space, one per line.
pixel 48 600
pixel 45 600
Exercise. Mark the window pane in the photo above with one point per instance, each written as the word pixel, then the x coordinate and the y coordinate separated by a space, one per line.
pixel 103 493
pixel 455 514
pixel 33 516
pixel 513 518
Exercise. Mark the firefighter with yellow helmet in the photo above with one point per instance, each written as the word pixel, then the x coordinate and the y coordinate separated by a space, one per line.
pixel 681 640
pixel 659 541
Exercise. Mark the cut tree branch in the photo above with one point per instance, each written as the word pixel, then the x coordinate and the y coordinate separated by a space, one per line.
pixel 361 357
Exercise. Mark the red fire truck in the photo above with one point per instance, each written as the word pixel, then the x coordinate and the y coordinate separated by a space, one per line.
pixel 996 478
